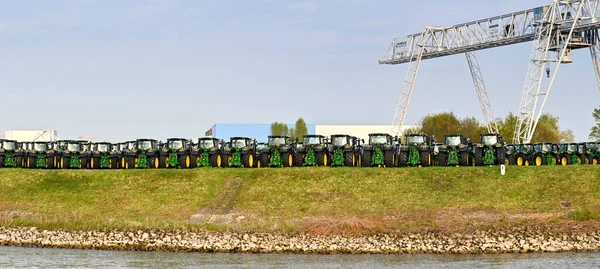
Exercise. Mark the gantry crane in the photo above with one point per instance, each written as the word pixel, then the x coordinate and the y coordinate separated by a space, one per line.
pixel 555 30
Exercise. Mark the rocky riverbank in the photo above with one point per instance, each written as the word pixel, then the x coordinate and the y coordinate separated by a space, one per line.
pixel 512 241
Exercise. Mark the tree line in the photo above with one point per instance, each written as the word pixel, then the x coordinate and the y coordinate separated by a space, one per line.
pixel 443 123
pixel 281 128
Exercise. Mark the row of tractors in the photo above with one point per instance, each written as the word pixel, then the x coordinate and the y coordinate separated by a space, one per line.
pixel 381 150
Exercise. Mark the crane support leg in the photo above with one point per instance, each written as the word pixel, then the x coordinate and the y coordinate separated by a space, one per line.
pixel 484 101
pixel 595 51
pixel 408 84
pixel 546 37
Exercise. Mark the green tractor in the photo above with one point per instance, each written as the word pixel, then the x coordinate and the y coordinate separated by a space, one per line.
pixel 209 152
pixel 239 152
pixel 313 151
pixel 583 152
pixel 176 153
pixel 545 154
pixel 103 156
pixel 524 154
pixel 511 154
pixel 40 155
pixel 73 156
pixel 569 154
pixel 345 150
pixel 593 150
pixel 380 151
pixel 416 151
pixel 10 154
pixel 279 152
pixel 490 151
pixel 143 155
pixel 455 150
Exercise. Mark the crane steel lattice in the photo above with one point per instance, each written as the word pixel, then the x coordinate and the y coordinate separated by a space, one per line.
pixel 556 30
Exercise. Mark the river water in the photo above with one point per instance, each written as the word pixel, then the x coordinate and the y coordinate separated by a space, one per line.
pixel 17 257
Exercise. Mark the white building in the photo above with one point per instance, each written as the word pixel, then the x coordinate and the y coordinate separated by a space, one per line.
pixel 31 135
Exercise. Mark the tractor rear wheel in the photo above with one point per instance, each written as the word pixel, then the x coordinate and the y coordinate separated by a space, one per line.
pixel 248 160
pixel 298 159
pixel 388 158
pixel 114 162
pixel 564 159
pixel 585 159
pixel 479 157
pixel 425 158
pixel 193 161
pixel 443 157
pixel 322 158
pixel 595 161
pixel 1 161
pixel 403 159
pixel 129 163
pixel 225 160
pixel 95 163
pixel 19 161
pixel 162 161
pixel 216 160
pixel 366 158
pixel 349 160
pixel 539 159
pixel 287 159
pixel 182 161
pixel 464 159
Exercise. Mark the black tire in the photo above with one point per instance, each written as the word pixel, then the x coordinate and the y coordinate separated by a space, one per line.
pixel 349 160
pixel 95 163
pixel 216 160
pixel 30 162
pixel 403 159
pixel 286 161
pixel 83 163
pixel 19 161
pixel 511 160
pixel 443 157
pixel 130 162
pixel 298 159
pixel 1 161
pixel 193 161
pixel 322 158
pixel 479 157
pixel 500 155
pixel 464 159
pixel 225 160
pixel 114 164
pixel 263 158
pixel 541 157
pixel 595 160
pixel 248 160
pixel 566 158
pixel 182 161
pixel 162 161
pixel 425 158
pixel 388 158
pixel 366 158
pixel 585 159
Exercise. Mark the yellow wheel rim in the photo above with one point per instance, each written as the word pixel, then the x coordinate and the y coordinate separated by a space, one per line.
pixel 251 160
pixel 126 165
pixel 258 163
pixel 353 160
pixel 123 162
pixel 526 163
pixel 538 160
pixel 506 161
pixel 156 162
pixel 229 159
pixel 135 162
pixel 80 163
pixel 92 162
pixel 520 161
pixel 578 160
pixel 47 162
pixel 563 160
pixel 188 160
pixel 324 159
pixel 290 160
pixel 218 160
pixel 595 161
pixel 554 160
pixel 167 161
pixel 110 161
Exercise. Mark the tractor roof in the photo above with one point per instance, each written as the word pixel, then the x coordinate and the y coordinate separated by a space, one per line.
pixel 452 135
pixel 99 143
pixel 279 136
pixel 176 138
pixel 144 139
pixel 411 135
pixel 240 137
pixel 379 134
pixel 8 140
pixel 490 134
pixel 208 138
pixel 314 136
pixel 340 135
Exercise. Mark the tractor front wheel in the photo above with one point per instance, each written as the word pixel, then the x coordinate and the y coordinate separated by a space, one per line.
pixel 322 159
pixel 500 155
pixel 388 158
pixel 564 159
pixel 539 159
pixel 287 159
pixel 248 160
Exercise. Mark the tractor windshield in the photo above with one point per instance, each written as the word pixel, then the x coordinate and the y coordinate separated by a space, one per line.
pixel 591 146
pixel 276 141
pixel 40 146
pixel 86 147
pixel 103 147
pixel 131 145
pixel 73 147
pixel 489 140
pixel 378 139
pixel 145 145
pixel 175 144
pixel 9 145
pixel 206 144
pixel 572 147
pixel 339 141
pixel 547 147
pixel 453 140
pixel 238 143
pixel 312 141
pixel 415 140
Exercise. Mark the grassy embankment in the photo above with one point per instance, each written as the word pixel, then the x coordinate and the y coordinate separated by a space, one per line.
pixel 317 200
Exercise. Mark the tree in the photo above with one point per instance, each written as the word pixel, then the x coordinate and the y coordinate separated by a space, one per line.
pixel 547 129
pixel 440 124
pixel 595 134
pixel 471 128
pixel 300 129
pixel 279 128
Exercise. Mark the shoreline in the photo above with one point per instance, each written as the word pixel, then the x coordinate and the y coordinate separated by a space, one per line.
pixel 516 240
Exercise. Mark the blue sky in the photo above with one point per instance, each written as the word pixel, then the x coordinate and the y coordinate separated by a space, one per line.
pixel 126 69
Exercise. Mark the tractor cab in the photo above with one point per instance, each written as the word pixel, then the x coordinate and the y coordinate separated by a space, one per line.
pixel 278 141
pixel 240 142
pixel 511 149
pixel 342 140
pixel 313 140
pixel 417 139
pixel 130 145
pixel 526 148
pixel 146 144
pixel 455 140
pixel 102 147
pixel 582 148
pixel 208 143
pixel 39 147
pixel 546 148
pixel 74 146
pixel 569 148
pixel 260 146
pixel 381 139
pixel 490 140
pixel 592 146
pixel 177 143
pixel 27 146
pixel 8 145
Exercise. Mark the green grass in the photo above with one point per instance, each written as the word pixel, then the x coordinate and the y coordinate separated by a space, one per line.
pixel 298 199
